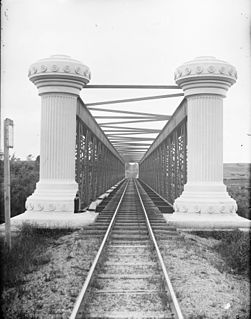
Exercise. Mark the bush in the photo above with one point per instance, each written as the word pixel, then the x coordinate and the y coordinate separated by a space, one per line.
pixel 28 252
pixel 234 248
pixel 24 176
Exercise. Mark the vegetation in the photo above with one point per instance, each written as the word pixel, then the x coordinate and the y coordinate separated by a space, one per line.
pixel 29 251
pixel 237 179
pixel 233 247
pixel 24 176
pixel 241 193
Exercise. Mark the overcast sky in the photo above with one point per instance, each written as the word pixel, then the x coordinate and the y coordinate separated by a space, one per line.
pixel 125 42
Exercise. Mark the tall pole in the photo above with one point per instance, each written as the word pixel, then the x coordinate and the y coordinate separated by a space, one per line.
pixel 8 136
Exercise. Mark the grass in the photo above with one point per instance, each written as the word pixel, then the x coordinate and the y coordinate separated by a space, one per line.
pixel 28 252
pixel 237 180
pixel 241 194
pixel 233 247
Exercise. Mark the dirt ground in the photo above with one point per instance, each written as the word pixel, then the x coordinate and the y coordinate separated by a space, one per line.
pixel 51 291
pixel 203 289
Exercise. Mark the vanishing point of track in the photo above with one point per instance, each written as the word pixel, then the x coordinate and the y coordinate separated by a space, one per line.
pixel 128 278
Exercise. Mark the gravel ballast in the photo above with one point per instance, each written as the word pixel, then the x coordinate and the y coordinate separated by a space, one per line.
pixel 203 289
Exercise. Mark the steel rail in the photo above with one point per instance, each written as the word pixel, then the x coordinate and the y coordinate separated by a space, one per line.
pixel 165 200
pixel 128 86
pixel 168 282
pixel 94 264
pixel 137 99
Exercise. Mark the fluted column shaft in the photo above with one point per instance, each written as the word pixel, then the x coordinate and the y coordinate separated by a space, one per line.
pixel 58 127
pixel 205 136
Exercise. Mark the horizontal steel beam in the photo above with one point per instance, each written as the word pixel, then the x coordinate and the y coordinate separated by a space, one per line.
pixel 137 99
pixel 164 117
pixel 128 86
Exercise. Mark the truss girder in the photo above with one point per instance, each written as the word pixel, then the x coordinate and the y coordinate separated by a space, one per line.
pixel 164 166
pixel 97 168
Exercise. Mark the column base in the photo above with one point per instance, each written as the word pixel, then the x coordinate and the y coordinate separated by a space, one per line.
pixel 205 198
pixel 51 220
pixel 208 222
pixel 51 196
pixel 206 206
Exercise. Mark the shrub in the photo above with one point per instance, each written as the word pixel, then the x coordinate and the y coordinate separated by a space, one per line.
pixel 28 252
pixel 24 175
pixel 234 248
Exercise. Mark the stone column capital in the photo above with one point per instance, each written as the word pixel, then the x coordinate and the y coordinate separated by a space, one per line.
pixel 59 74
pixel 205 75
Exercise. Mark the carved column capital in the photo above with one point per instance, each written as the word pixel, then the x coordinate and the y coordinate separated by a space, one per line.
pixel 205 75
pixel 59 74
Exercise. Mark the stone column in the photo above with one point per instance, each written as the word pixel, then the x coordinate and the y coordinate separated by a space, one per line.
pixel 59 80
pixel 205 82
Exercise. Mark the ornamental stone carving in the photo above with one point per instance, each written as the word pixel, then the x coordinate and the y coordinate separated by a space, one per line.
pixel 205 74
pixel 59 70
pixel 228 208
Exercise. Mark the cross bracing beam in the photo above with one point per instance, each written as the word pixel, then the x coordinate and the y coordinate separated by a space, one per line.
pixel 138 142
pixel 130 144
pixel 131 147
pixel 163 117
pixel 126 86
pixel 131 133
pixel 127 138
pixel 137 99
pixel 150 120
pixel 128 152
pixel 131 128
pixel 124 112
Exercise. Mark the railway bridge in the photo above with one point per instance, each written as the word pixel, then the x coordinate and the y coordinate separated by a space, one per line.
pixel 82 160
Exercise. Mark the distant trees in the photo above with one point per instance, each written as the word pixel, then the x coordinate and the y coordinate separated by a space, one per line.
pixel 131 170
pixel 24 176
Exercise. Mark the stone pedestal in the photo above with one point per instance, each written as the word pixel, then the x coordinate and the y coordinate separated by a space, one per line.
pixel 205 82
pixel 59 80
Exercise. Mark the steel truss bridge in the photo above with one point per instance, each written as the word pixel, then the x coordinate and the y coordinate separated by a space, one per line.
pixel 101 154
pixel 85 146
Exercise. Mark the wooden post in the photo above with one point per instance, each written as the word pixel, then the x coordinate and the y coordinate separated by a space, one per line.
pixel 8 136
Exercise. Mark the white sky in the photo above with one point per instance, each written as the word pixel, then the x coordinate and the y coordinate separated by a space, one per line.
pixel 125 42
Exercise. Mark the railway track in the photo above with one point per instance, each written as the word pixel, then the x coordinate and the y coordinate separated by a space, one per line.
pixel 128 278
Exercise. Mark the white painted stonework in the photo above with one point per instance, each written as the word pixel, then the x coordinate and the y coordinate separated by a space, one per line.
pixel 205 82
pixel 59 80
